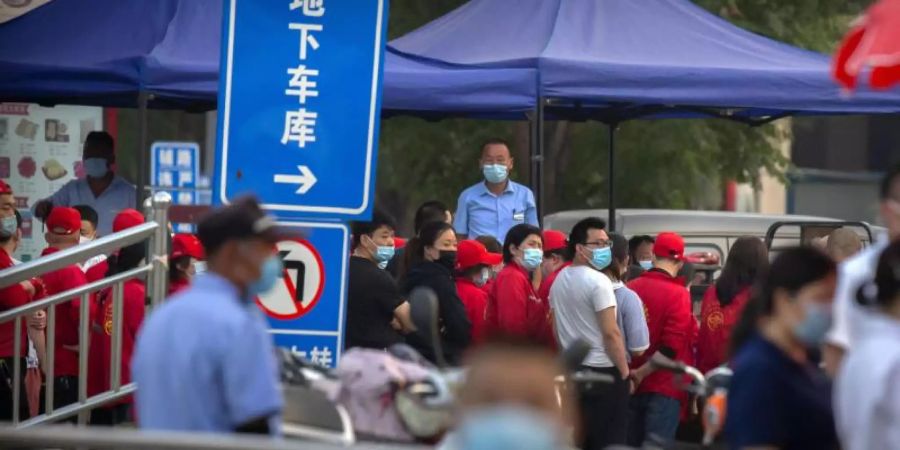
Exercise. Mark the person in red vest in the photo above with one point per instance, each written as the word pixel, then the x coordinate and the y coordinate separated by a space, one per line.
pixel 125 219
pixel 724 301
pixel 514 308
pixel 555 259
pixel 100 355
pixel 11 297
pixel 473 270
pixel 186 251
pixel 63 232
pixel 656 404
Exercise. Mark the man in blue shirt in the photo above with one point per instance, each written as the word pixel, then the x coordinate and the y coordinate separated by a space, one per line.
pixel 101 189
pixel 494 206
pixel 205 361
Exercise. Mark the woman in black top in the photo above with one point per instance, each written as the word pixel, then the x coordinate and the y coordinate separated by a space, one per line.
pixel 433 260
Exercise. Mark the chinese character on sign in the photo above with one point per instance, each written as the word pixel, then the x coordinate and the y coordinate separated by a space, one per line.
pixel 300 81
pixel 185 198
pixel 306 37
pixel 185 177
pixel 323 357
pixel 184 158
pixel 311 8
pixel 165 178
pixel 166 157
pixel 299 126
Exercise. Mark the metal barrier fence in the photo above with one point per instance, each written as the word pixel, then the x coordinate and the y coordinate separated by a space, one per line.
pixel 155 230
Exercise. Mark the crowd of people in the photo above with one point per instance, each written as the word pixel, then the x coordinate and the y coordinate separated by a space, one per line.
pixel 80 212
pixel 783 326
pixel 811 332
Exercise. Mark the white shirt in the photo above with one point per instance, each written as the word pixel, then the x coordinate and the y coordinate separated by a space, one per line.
pixel 852 274
pixel 576 297
pixel 119 195
pixel 867 392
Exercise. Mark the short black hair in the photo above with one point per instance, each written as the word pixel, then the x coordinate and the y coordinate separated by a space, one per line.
pixel 494 141
pixel 87 213
pixel 101 140
pixel 430 211
pixel 580 231
pixel 516 236
pixel 490 243
pixel 379 219
pixel 892 176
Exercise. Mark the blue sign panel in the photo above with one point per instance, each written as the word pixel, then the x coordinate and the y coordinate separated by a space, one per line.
pixel 299 105
pixel 175 168
pixel 306 308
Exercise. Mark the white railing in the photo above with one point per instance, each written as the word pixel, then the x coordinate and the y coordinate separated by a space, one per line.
pixel 155 230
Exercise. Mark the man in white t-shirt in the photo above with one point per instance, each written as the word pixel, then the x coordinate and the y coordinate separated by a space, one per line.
pixel 584 307
pixel 858 270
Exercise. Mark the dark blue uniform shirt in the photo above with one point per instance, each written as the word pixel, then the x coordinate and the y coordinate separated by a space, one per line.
pixel 775 401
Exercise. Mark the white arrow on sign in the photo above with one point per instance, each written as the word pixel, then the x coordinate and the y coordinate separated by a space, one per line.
pixel 306 180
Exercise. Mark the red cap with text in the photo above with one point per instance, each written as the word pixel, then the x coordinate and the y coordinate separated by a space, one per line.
pixel 64 220
pixel 470 253
pixel 553 240
pixel 669 245
pixel 185 244
pixel 127 218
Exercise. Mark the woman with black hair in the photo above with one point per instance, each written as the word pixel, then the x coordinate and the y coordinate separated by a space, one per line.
pixel 432 264
pixel 778 398
pixel 100 353
pixel 724 301
pixel 514 308
pixel 867 394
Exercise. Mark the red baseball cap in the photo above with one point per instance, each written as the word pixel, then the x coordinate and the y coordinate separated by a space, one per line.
pixel 4 188
pixel 185 244
pixel 64 220
pixel 669 245
pixel 554 240
pixel 470 253
pixel 127 218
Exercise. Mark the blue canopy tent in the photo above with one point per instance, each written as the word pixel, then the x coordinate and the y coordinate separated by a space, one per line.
pixel 165 54
pixel 615 60
pixel 109 52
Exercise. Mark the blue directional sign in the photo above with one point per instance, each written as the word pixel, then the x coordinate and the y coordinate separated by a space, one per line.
pixel 306 308
pixel 175 168
pixel 299 105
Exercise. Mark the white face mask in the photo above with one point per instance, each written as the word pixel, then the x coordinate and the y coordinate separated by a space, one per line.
pixel 84 239
pixel 199 267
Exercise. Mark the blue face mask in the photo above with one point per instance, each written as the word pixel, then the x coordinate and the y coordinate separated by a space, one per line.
pixel 601 257
pixel 95 167
pixel 532 258
pixel 495 173
pixel 270 272
pixel 646 264
pixel 815 325
pixel 8 226
pixel 506 427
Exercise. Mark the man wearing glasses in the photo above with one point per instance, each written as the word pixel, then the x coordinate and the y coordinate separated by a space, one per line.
pixel 656 404
pixel 584 308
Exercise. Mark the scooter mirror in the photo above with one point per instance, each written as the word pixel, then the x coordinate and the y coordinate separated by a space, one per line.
pixel 423 310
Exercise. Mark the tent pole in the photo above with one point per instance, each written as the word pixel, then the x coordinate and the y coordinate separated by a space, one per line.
pixel 143 175
pixel 537 156
pixel 611 205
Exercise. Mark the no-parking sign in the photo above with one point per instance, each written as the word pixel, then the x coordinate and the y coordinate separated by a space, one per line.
pixel 306 308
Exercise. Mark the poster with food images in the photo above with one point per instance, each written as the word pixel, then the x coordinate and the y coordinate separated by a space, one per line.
pixel 40 151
